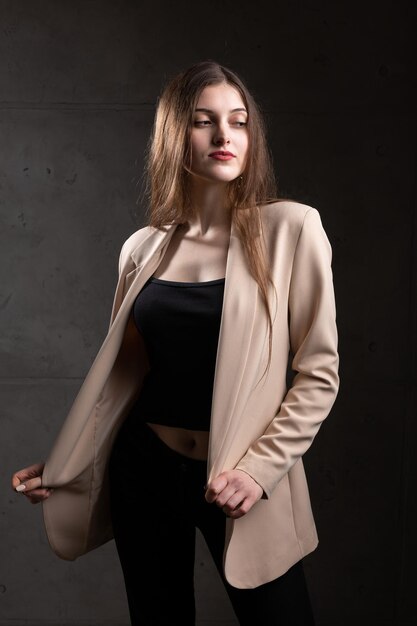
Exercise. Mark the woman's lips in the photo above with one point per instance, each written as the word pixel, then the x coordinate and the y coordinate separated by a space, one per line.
pixel 221 157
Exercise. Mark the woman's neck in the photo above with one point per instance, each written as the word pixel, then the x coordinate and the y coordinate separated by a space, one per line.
pixel 210 208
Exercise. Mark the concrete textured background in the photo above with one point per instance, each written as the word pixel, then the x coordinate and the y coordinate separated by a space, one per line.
pixel 79 82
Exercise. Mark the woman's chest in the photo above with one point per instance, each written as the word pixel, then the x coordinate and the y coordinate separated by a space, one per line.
pixel 193 259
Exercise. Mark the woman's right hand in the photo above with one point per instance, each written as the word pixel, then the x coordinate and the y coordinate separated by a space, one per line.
pixel 29 482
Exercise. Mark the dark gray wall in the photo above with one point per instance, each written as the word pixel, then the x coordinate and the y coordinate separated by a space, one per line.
pixel 79 82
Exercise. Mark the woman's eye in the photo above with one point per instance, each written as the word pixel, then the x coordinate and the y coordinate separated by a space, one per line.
pixel 205 122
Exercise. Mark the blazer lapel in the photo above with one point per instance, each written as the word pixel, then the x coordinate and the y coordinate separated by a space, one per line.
pixel 238 316
pixel 145 259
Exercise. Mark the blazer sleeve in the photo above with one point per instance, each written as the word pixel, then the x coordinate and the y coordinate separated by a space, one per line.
pixel 313 342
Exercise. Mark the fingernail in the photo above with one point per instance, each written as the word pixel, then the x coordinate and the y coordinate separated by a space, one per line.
pixel 20 487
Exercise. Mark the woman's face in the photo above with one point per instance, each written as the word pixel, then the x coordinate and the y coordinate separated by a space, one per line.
pixel 219 124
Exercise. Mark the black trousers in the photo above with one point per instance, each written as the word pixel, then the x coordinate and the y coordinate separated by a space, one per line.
pixel 157 501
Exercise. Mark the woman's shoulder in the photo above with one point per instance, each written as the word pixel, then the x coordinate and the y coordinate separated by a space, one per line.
pixel 288 220
pixel 132 242
pixel 285 211
pixel 137 237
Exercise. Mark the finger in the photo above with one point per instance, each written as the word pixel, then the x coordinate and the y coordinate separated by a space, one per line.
pixel 28 485
pixel 26 473
pixel 225 495
pixel 215 487
pixel 31 472
pixel 38 492
pixel 217 484
pixel 37 495
pixel 240 510
pixel 36 500
pixel 233 503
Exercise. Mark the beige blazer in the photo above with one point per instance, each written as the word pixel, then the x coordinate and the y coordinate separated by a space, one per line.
pixel 263 427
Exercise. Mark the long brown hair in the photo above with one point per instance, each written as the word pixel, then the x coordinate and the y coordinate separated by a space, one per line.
pixel 168 158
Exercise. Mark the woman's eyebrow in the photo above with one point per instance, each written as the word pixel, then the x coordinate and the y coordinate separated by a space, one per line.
pixel 210 111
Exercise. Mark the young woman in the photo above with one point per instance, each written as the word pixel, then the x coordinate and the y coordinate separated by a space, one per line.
pixel 186 418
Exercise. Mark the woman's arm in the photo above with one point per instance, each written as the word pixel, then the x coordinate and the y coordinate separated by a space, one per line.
pixel 313 340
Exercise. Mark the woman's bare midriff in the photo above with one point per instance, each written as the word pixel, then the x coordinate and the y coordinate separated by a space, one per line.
pixel 192 443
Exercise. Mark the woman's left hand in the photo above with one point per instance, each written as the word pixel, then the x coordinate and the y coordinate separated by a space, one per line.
pixel 234 491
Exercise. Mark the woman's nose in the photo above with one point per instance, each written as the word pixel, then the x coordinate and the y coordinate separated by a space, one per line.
pixel 221 136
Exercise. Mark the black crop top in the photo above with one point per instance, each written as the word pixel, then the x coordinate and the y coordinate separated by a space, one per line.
pixel 180 323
